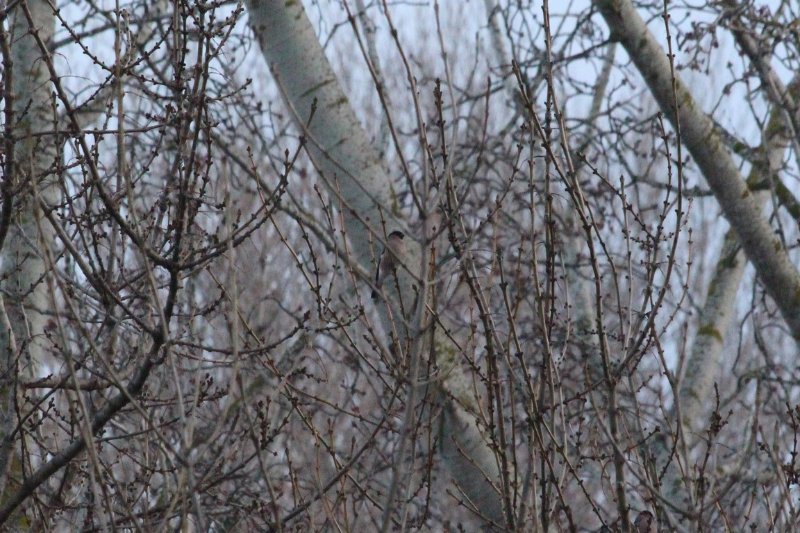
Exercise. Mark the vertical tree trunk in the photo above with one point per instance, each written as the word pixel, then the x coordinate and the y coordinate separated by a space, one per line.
pixel 34 172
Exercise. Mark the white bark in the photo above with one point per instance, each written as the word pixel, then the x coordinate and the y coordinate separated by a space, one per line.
pixel 369 30
pixel 742 210
pixel 352 171
pixel 337 143
pixel 472 465
pixel 778 94
pixel 705 360
pixel 35 157
pixel 502 56
pixel 703 365
pixel 24 268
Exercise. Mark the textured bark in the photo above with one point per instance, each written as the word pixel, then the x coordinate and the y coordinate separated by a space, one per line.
pixel 778 94
pixel 465 452
pixel 502 56
pixel 369 30
pixel 705 360
pixel 337 143
pixel 715 318
pixel 27 301
pixel 352 171
pixel 742 210
pixel 35 159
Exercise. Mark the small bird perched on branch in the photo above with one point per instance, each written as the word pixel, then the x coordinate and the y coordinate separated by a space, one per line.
pixel 392 253
pixel 645 523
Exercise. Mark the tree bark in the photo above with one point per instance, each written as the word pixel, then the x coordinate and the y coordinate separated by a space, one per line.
pixel 704 362
pixel 33 173
pixel 351 169
pixel 742 210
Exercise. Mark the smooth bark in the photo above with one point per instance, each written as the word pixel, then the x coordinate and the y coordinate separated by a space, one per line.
pixel 779 276
pixel 716 316
pixel 351 169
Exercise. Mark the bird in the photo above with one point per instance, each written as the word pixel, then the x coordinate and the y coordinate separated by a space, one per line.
pixel 645 523
pixel 393 252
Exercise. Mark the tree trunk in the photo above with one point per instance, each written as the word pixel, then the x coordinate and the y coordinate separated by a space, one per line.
pixel 351 169
pixel 742 210
pixel 33 171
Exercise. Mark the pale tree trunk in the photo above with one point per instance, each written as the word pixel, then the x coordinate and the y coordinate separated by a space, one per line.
pixel 750 232
pixel 704 361
pixel 501 54
pixel 740 207
pixel 34 171
pixel 338 145
pixel 777 93
pixel 351 169
pixel 715 318
pixel 369 30
pixel 695 394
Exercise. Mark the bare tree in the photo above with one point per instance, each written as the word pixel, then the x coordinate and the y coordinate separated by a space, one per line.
pixel 565 335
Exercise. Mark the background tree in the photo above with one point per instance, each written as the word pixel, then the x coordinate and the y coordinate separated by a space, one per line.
pixel 571 340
